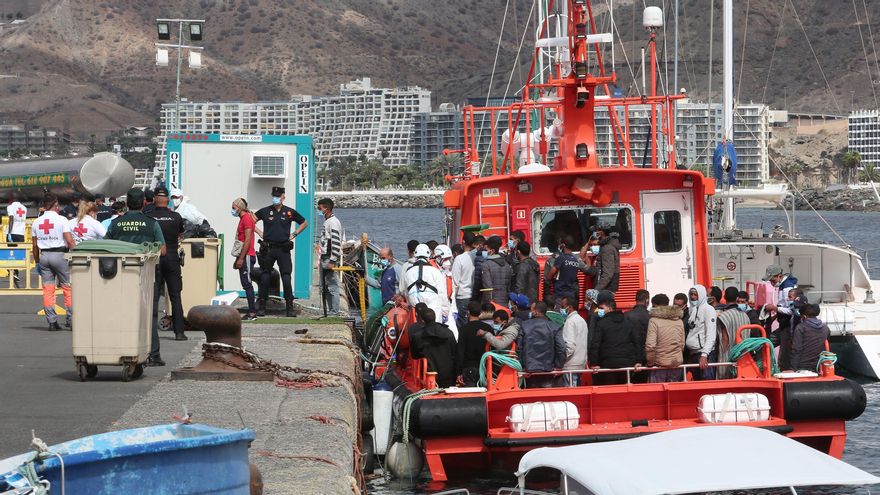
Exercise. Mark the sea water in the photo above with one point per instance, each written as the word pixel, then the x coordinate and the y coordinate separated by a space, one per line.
pixel 395 226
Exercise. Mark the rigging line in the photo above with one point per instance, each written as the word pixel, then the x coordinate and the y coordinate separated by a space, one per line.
pixel 516 32
pixel 742 59
pixel 773 55
pixel 815 57
pixel 628 64
pixel 796 189
pixel 689 68
pixel 711 48
pixel 865 51
pixel 492 75
pixel 509 81
pixel 873 46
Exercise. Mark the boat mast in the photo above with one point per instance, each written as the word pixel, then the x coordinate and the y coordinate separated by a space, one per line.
pixel 728 219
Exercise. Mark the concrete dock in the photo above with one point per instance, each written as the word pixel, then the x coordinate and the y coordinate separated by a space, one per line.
pixel 305 438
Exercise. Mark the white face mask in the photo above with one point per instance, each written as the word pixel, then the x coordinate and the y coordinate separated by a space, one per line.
pixel 176 202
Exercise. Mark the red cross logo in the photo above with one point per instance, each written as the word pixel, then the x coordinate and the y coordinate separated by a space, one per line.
pixel 20 212
pixel 80 229
pixel 46 227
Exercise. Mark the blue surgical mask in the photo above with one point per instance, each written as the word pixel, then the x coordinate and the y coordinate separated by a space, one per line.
pixel 511 244
pixel 694 303
pixel 234 213
pixel 563 312
pixel 384 263
pixel 484 254
pixel 594 250
pixel 496 327
pixel 276 200
pixel 743 307
pixel 600 313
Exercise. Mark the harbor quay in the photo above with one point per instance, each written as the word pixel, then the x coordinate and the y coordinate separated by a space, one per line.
pixel 306 436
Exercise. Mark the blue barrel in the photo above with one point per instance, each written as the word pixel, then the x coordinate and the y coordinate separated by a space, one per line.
pixel 173 459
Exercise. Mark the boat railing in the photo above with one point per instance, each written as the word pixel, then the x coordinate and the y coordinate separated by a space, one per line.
pixel 629 370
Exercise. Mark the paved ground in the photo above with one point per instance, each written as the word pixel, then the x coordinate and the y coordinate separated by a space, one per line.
pixel 42 391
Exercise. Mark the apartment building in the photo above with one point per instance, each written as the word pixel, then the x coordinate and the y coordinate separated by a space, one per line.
pixel 863 135
pixel 376 122
pixel 32 139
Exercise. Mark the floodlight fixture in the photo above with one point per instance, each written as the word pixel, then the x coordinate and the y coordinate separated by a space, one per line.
pixel 163 28
pixel 195 31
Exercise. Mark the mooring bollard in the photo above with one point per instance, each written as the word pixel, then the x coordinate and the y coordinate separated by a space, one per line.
pixel 223 357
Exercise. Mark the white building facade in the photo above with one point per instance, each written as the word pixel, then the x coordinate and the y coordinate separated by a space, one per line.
pixel 361 120
pixel 863 135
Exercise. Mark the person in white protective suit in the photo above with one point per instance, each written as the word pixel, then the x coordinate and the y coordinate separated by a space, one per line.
pixel 423 283
pixel 530 140
pixel 184 208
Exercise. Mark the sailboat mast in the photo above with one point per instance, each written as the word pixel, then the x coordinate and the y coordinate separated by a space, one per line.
pixel 728 71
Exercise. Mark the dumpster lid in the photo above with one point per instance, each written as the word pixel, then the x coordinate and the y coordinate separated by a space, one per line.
pixel 111 246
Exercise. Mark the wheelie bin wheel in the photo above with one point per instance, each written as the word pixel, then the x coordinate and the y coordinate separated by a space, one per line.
pixel 138 371
pixel 83 372
pixel 91 370
pixel 127 372
pixel 165 323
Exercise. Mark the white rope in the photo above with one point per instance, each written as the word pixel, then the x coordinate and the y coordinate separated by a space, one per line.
pixel 815 57
pixel 773 55
pixel 626 59
pixel 865 51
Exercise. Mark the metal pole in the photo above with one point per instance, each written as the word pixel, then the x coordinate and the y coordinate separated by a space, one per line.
pixel 177 92
pixel 675 51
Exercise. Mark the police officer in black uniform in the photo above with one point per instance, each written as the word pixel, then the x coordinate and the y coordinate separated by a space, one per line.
pixel 71 210
pixel 276 246
pixel 168 270
pixel 138 228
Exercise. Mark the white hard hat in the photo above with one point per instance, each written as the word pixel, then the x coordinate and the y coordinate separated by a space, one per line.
pixel 422 251
pixel 175 193
pixel 442 251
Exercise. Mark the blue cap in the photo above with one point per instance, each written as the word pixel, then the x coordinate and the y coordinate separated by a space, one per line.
pixel 521 301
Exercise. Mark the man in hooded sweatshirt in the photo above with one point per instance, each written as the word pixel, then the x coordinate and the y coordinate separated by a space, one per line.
pixel 700 341
pixel 615 343
pixel 665 340
pixel 809 339
pixel 437 343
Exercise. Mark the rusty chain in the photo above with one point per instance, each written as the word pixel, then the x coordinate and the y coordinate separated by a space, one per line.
pixel 212 351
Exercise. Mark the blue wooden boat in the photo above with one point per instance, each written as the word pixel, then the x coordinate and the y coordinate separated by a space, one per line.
pixel 174 459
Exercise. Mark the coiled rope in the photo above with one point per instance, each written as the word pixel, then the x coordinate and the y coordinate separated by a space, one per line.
pixel 750 345
pixel 825 356
pixel 506 358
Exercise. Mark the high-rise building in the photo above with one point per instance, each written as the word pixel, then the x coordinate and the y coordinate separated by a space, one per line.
pixel 698 130
pixel 863 135
pixel 361 120
pixel 32 139
pixel 434 132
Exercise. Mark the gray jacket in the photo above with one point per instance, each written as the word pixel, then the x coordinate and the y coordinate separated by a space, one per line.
pixel 807 342
pixel 496 275
pixel 525 278
pixel 505 338
pixel 540 345
pixel 607 269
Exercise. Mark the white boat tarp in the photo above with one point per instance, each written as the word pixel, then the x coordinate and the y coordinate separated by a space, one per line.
pixel 699 459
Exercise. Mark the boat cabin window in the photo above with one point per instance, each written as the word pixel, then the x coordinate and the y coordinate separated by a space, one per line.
pixel 667 231
pixel 550 224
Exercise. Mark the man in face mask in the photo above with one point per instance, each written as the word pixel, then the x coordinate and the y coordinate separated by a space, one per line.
pixel 577 341
pixel 276 247
pixel 606 270
pixel 390 274
pixel 742 304
pixel 615 342
pixel 700 341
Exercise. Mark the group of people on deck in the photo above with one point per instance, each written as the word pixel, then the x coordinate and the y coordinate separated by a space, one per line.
pixel 483 294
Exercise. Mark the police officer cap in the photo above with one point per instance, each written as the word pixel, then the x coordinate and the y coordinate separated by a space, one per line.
pixel 604 297
pixel 135 194
pixel 161 191
pixel 277 191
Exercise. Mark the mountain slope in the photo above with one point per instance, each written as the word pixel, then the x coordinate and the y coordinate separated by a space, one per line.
pixel 89 64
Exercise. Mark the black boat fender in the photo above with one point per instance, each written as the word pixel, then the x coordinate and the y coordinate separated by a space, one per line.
pixel 823 399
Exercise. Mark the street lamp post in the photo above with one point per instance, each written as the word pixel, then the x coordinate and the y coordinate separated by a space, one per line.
pixel 163 27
